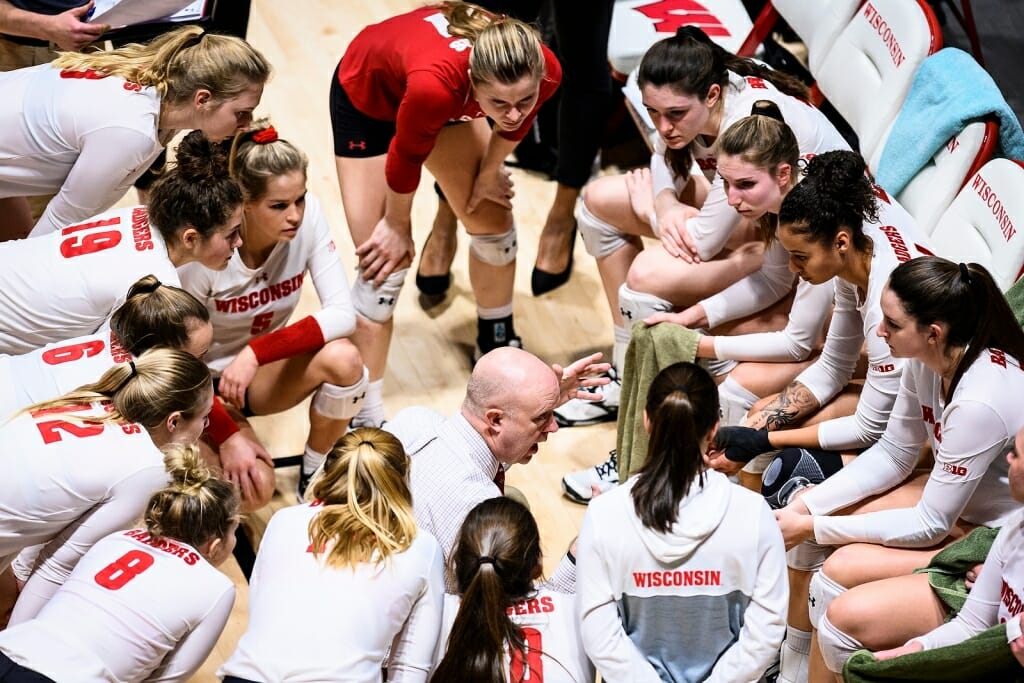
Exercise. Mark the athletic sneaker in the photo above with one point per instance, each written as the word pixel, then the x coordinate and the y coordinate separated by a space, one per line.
pixel 579 412
pixel 300 489
pixel 578 486
pixel 478 353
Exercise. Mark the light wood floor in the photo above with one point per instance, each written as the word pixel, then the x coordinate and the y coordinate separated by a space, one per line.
pixel 429 361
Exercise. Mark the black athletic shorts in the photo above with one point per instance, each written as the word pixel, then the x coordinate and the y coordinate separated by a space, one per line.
pixel 356 134
pixel 11 672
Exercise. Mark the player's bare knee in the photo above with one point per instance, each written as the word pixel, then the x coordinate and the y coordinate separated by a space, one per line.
pixel 339 362
pixel 847 566
pixel 602 195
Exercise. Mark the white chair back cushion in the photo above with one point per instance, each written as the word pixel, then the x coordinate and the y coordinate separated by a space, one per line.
pixel 867 72
pixel 984 222
pixel 817 22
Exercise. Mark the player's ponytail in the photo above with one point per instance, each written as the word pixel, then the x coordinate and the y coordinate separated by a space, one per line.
pixel 197 191
pixel 495 560
pixel 367 506
pixel 146 391
pixel 964 296
pixel 156 314
pixel 835 193
pixel 179 63
pixel 682 407
pixel 258 154
pixel 196 506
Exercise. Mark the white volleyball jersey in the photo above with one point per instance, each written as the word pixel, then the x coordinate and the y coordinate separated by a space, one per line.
pixel 248 302
pixel 970 437
pixel 712 227
pixel 554 648
pixel 67 283
pixel 81 480
pixel 80 136
pixel 350 617
pixel 56 369
pixel 133 609
pixel 895 238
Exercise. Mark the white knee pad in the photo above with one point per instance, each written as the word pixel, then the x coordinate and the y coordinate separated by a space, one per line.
pixel 735 401
pixel 836 646
pixel 377 303
pixel 635 306
pixel 821 593
pixel 601 239
pixel 341 403
pixel 808 556
pixel 495 250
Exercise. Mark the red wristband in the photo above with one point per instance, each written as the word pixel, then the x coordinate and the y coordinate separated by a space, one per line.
pixel 301 337
pixel 221 425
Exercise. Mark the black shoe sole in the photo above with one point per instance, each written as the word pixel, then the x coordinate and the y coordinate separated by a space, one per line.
pixel 433 285
pixel 573 496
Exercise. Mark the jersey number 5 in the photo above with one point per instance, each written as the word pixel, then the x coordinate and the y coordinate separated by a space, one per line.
pixel 526 664
pixel 261 323
pixel 122 570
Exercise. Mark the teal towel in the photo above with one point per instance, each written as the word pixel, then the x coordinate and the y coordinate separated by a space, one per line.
pixel 949 90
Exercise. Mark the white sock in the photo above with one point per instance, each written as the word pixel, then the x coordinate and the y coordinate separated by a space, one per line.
pixel 311 460
pixel 621 333
pixel 796 651
pixel 496 313
pixel 371 414
pixel 736 401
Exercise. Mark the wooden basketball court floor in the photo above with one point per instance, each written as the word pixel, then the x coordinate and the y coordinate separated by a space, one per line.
pixel 430 354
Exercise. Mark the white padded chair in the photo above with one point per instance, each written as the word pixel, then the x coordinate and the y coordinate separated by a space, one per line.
pixel 638 24
pixel 867 71
pixel 984 223
pixel 816 22
pixel 935 186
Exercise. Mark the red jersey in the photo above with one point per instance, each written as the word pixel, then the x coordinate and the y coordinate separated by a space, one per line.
pixel 410 70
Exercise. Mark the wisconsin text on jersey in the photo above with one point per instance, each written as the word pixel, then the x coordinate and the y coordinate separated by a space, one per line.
pixel 247 302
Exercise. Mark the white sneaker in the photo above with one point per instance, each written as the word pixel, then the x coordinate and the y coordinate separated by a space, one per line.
pixel 578 412
pixel 579 486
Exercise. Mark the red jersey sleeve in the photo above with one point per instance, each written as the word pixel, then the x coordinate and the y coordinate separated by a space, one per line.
pixel 427 105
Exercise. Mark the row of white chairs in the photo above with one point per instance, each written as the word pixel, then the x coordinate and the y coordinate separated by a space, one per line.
pixel 863 55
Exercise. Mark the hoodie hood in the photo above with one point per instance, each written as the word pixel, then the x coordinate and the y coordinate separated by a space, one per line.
pixel 700 513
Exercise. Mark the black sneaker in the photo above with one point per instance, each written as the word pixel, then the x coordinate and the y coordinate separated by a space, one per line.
pixel 303 484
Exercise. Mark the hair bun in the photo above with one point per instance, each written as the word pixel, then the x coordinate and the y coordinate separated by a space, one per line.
pixel 199 160
pixel 694 33
pixel 767 108
pixel 186 467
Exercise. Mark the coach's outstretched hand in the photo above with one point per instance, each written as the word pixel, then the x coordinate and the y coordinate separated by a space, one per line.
pixel 583 374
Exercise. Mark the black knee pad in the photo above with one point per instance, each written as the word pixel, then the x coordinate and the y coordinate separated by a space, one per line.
pixel 794 469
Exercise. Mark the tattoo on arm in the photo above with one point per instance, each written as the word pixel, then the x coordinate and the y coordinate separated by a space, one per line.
pixel 793 403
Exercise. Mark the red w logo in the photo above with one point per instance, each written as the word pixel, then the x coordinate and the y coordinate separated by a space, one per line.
pixel 669 15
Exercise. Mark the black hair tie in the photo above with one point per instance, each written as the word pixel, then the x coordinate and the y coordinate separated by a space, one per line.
pixel 965 274
pixel 485 559
pixel 131 364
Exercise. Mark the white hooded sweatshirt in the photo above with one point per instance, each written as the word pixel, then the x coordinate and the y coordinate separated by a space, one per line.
pixel 705 602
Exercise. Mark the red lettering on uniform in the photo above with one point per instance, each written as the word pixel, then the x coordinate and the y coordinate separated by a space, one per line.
pixel 191 559
pixel 899 247
pixel 78 245
pixel 122 570
pixel 670 15
pixel 755 82
pixel 995 205
pixel 697 577
pixel 141 233
pixel 927 414
pixel 117 351
pixel 131 428
pixel 884 31
pixel 997 357
pixel 88 74
pixel 261 297
pixel 707 164
pixel 132 87
pixel 1009 597
pixel 547 604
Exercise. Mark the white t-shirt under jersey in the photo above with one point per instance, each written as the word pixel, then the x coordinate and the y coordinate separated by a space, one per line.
pixel 311 622
pixel 970 437
pixel 65 284
pixel 551 632
pixel 133 609
pixel 81 137
pixel 73 480
pixel 895 238
pixel 247 302
pixel 56 369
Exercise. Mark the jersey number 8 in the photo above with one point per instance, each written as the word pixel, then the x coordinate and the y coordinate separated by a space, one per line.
pixel 122 570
